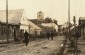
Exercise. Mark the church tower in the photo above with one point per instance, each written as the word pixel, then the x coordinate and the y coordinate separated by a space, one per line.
pixel 40 15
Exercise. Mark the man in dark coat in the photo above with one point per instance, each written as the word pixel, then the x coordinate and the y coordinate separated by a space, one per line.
pixel 26 40
pixel 48 35
pixel 52 34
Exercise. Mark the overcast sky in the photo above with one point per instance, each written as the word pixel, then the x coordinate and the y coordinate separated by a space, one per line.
pixel 56 9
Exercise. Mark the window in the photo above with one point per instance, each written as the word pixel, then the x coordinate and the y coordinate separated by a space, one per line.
pixel 39 15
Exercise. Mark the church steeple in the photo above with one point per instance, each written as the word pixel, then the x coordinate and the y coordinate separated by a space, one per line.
pixel 40 15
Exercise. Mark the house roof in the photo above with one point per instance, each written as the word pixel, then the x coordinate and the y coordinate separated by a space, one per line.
pixel 40 12
pixel 81 18
pixel 14 16
pixel 37 22
pixel 33 25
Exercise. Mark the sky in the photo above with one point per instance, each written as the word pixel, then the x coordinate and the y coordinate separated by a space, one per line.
pixel 55 9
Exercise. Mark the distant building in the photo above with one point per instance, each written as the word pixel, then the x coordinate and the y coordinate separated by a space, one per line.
pixel 40 15
pixel 81 20
pixel 34 29
pixel 39 28
pixel 65 27
pixel 59 29
pixel 51 25
pixel 82 26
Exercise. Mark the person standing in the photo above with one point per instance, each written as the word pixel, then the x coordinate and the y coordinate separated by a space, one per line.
pixel 52 34
pixel 48 35
pixel 26 36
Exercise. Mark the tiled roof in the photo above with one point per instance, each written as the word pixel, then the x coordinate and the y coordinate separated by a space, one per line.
pixel 14 16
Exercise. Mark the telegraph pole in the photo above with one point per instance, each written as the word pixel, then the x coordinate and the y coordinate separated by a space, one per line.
pixel 7 20
pixel 69 16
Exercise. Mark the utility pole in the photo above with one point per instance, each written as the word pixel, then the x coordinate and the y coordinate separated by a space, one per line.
pixel 7 20
pixel 69 16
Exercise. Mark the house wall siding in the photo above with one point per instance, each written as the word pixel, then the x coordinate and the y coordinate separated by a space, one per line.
pixel 3 31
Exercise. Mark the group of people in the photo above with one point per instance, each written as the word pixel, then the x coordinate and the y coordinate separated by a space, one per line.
pixel 50 35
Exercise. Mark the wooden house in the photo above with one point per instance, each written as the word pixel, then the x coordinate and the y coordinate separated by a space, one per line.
pixel 17 21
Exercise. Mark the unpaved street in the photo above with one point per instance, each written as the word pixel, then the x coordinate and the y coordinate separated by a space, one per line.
pixel 38 47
